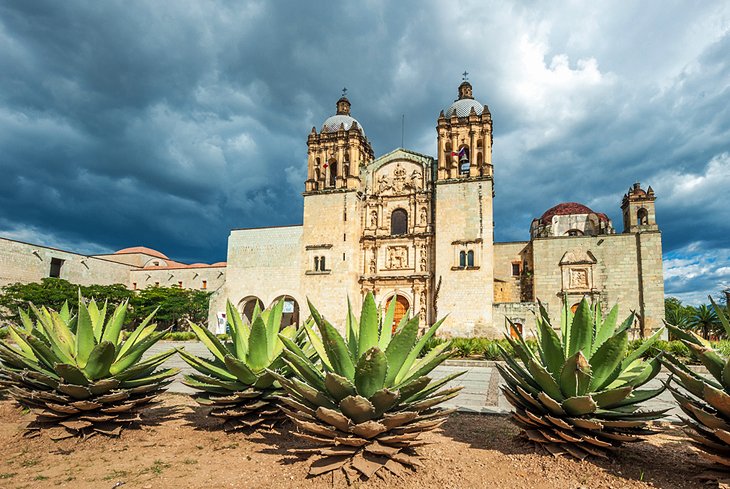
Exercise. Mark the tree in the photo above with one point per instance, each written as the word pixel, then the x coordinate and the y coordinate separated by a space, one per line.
pixel 175 306
pixel 52 293
pixel 705 320
pixel 676 313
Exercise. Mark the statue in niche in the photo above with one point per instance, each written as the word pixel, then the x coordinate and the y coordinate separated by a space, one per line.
pixel 373 218
pixel 423 261
pixel 578 278
pixel 372 265
pixel 424 216
pixel 397 257
pixel 422 315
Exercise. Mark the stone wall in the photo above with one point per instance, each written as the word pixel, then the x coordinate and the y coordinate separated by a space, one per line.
pixel 25 262
pixel 200 278
pixel 262 263
pixel 520 313
pixel 463 222
pixel 506 284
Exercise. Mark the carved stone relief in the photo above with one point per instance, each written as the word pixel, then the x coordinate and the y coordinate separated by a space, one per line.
pixel 578 278
pixel 397 257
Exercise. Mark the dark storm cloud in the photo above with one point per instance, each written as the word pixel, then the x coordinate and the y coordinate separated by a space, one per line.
pixel 168 124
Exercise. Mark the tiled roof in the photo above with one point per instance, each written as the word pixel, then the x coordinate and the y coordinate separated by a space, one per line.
pixel 142 250
pixel 568 208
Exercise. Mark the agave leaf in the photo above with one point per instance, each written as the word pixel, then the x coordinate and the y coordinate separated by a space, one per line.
pixel 554 356
pixel 368 337
pixel 317 344
pixel 434 386
pixel 726 376
pixel 386 331
pixel 96 320
pixel 607 357
pixel 687 336
pixel 114 326
pixel 724 320
pixel 100 360
pixel 273 325
pixel 143 368
pixel 575 376
pixel 61 336
pixel 709 358
pixel 718 399
pixel 338 386
pixel 71 374
pixel 399 348
pixel 206 367
pixel 351 328
pixel 210 340
pixel 258 350
pixel 645 345
pixel 383 400
pixel 133 355
pixel 239 331
pixel 410 389
pixel 65 313
pixel 305 368
pixel 581 331
pixel 650 370
pixel 22 344
pixel 416 350
pixel 142 331
pixel 334 345
pixel 545 380
pixel 26 321
pixel 370 372
pixel 152 379
pixel 42 352
pixel 579 406
pixel 611 397
pixel 606 329
pixel 566 321
pixel 357 408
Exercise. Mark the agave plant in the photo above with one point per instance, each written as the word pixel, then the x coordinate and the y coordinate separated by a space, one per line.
pixel 368 402
pixel 77 375
pixel 579 393
pixel 705 400
pixel 235 383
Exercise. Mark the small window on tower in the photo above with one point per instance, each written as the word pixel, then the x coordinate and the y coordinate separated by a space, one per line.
pixel 55 271
pixel 322 267
pixel 316 264
pixel 179 285
pixel 515 269
pixel 205 284
pixel 470 258
pixel 134 285
pixel 462 259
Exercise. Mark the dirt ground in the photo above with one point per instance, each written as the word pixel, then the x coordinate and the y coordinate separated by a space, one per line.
pixel 185 450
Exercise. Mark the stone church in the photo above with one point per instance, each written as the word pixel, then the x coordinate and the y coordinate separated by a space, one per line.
pixel 419 231
pixel 410 228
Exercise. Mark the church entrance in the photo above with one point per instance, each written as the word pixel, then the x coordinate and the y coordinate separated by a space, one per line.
pixel 401 308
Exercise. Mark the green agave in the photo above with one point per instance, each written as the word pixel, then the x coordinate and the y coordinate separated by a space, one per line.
pixel 369 400
pixel 77 375
pixel 235 383
pixel 705 400
pixel 579 394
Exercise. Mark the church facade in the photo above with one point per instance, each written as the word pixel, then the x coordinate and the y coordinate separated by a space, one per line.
pixel 410 228
pixel 419 231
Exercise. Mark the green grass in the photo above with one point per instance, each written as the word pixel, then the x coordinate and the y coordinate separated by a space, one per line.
pixel 8 475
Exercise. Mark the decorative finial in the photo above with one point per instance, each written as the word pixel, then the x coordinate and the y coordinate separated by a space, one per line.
pixel 465 76
pixel 344 92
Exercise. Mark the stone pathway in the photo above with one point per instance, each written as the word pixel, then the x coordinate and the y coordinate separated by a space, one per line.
pixel 481 393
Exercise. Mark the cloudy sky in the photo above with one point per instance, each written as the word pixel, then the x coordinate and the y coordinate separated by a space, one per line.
pixel 168 123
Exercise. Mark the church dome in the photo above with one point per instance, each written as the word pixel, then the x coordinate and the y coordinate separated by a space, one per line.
pixel 332 124
pixel 342 118
pixel 462 108
pixel 567 209
pixel 463 105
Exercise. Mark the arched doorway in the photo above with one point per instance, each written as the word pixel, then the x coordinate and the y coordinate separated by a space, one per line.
pixel 401 308
pixel 247 305
pixel 290 312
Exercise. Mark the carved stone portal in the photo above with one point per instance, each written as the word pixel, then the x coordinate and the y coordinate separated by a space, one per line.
pixel 397 257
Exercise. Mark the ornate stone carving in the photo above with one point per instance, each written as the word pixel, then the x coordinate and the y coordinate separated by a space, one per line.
pixel 374 218
pixel 399 179
pixel 372 265
pixel 397 257
pixel 423 216
pixel 416 180
pixel 578 278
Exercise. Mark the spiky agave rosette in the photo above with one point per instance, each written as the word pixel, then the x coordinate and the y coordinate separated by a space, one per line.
pixel 371 398
pixel 579 394
pixel 76 374
pixel 235 383
pixel 704 399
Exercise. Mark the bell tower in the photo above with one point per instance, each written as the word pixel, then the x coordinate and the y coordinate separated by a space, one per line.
pixel 464 137
pixel 463 223
pixel 638 210
pixel 336 154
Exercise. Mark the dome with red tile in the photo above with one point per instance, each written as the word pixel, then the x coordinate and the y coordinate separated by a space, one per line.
pixel 142 250
pixel 569 208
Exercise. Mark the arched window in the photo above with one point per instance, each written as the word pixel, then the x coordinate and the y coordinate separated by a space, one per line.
pixel 290 311
pixel 398 222
pixel 642 217
pixel 470 258
pixel 316 264
pixel 322 267
pixel 247 306
pixel 574 232
pixel 462 259
pixel 464 159
pixel 333 173
pixel 346 171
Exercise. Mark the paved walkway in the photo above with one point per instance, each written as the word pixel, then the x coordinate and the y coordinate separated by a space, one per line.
pixel 481 382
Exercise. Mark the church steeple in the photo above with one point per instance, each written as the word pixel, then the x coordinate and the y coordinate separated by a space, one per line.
pixel 337 152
